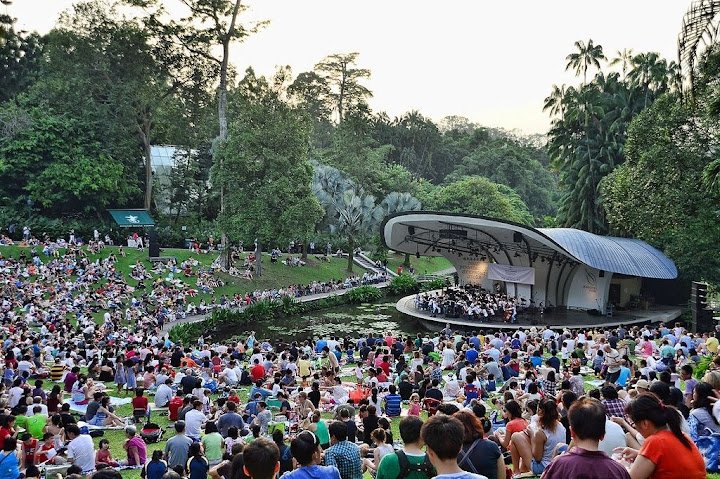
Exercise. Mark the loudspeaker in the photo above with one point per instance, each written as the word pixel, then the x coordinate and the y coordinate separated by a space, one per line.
pixel 411 230
pixel 602 273
pixel 154 246
pixel 517 237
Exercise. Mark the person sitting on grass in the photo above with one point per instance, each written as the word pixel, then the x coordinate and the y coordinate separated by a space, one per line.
pixel 261 459
pixel 443 436
pixel 103 457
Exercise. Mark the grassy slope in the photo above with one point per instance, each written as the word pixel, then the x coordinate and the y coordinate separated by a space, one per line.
pixel 423 265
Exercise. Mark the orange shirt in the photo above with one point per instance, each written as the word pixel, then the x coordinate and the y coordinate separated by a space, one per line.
pixel 671 458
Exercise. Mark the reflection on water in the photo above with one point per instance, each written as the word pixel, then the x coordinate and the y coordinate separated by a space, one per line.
pixel 349 320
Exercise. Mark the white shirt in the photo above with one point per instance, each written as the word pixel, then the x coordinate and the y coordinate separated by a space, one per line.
pixel 614 437
pixel 82 452
pixel 163 395
pixel 230 375
pixel 194 420
pixel 14 396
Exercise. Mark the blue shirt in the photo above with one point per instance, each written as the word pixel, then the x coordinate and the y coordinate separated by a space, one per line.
pixel 346 457
pixel 313 472
pixel 10 466
pixel 471 355
pixel 623 377
pixel 393 404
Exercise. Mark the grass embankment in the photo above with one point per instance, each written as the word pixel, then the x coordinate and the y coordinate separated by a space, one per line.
pixel 422 265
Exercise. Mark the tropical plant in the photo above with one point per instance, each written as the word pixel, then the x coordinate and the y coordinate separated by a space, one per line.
pixel 404 284
pixel 364 294
pixel 355 216
pixel 587 55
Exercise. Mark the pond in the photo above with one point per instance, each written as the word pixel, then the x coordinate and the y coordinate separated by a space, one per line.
pixel 348 320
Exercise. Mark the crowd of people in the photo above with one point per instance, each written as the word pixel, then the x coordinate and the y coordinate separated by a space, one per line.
pixel 618 402
pixel 473 303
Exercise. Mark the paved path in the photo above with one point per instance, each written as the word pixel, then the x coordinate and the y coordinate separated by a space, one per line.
pixel 303 299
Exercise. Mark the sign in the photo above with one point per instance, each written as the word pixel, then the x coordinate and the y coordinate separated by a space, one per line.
pixel 511 274
pixel 132 218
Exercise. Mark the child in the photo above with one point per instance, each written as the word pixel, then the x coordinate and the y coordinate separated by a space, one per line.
pixel 491 386
pixel 29 450
pixel 414 409
pixel 103 455
pixel 359 373
pixel 232 439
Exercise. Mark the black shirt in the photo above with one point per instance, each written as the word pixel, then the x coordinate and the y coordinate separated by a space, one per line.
pixel 434 393
pixel 188 383
pixel 176 358
pixel 370 423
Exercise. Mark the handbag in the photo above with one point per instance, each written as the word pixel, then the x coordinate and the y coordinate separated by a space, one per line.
pixel 709 447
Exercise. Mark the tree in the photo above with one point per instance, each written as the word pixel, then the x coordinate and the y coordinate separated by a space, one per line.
pixel 19 57
pixel 267 175
pixel 654 195
pixel 356 215
pixel 624 58
pixel 210 24
pixel 344 80
pixel 650 72
pixel 586 56
pixel 476 195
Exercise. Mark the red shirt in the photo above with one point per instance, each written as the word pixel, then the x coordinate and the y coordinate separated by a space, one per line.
pixel 29 450
pixel 257 372
pixel 385 367
pixel 174 407
pixel 4 432
pixel 140 402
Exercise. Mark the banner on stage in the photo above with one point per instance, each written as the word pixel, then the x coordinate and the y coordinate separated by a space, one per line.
pixel 511 274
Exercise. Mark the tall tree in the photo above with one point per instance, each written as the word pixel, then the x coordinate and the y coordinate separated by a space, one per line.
pixel 624 58
pixel 356 215
pixel 344 79
pixel 587 55
pixel 210 24
pixel 19 57
pixel 266 171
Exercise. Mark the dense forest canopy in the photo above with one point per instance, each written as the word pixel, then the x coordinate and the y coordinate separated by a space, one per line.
pixel 81 107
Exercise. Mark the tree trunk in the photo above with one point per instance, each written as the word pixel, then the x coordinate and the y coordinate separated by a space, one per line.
pixel 258 259
pixel 406 263
pixel 304 247
pixel 222 121
pixel 144 131
pixel 351 248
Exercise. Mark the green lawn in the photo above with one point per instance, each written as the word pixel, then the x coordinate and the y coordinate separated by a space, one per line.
pixel 422 265
pixel 275 275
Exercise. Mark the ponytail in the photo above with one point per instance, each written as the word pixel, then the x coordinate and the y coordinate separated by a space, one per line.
pixel 650 408
pixel 672 418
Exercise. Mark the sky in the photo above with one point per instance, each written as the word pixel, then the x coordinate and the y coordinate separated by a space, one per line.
pixel 492 61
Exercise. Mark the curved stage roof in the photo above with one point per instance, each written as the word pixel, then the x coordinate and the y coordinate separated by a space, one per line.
pixel 429 233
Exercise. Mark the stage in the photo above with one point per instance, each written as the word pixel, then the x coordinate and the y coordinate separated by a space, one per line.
pixel 560 318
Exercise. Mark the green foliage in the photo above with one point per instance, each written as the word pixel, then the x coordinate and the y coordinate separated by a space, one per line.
pixel 437 283
pixel 404 284
pixel 265 169
pixel 702 366
pixel 587 138
pixel 655 197
pixel 343 82
pixel 20 54
pixel 476 195
pixel 514 163
pixel 364 294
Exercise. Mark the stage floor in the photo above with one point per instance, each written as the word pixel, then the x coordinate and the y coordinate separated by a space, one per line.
pixel 558 319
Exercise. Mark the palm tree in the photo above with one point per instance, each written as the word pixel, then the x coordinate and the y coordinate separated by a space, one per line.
pixel 585 57
pixel 649 72
pixel 625 58
pixel 554 102
pixel 355 216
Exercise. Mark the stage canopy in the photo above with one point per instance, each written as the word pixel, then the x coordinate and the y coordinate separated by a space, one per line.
pixel 567 263
pixel 132 218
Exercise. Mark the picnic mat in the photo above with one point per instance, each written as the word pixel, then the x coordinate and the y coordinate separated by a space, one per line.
pixel 82 408
pixel 596 382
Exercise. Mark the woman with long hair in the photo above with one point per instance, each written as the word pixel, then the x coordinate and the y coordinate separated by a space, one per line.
pixel 478 455
pixel 667 451
pixel 536 446
pixel 701 419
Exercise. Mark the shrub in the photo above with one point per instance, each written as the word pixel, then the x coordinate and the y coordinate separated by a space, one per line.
pixel 403 285
pixel 437 283
pixel 364 294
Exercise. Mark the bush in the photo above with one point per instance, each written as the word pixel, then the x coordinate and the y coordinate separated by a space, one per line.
pixel 364 294
pixel 437 283
pixel 403 285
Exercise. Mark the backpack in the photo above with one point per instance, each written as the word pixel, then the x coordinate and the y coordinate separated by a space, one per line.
pixel 406 468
